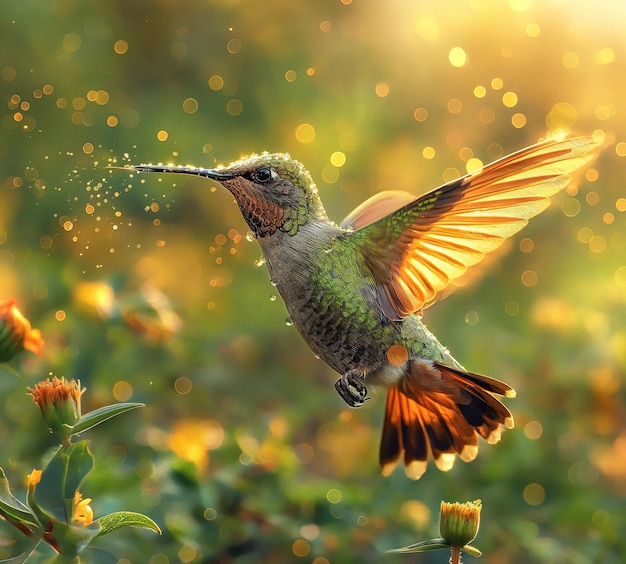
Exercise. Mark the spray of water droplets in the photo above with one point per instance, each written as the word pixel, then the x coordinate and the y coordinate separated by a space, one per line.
pixel 102 206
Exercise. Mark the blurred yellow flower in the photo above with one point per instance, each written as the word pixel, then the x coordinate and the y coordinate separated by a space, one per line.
pixel 150 314
pixel 193 439
pixel 96 297
pixel 83 514
pixel 33 478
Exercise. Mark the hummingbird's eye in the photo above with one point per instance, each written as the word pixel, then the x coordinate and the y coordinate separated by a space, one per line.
pixel 264 174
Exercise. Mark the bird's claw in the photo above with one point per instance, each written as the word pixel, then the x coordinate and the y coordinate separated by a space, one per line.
pixel 351 390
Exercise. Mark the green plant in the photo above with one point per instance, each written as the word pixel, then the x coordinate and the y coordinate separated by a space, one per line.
pixel 55 511
pixel 458 525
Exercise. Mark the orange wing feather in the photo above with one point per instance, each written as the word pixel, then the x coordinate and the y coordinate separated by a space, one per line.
pixel 416 251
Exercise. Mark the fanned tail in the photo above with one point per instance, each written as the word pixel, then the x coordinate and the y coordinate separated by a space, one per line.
pixel 439 411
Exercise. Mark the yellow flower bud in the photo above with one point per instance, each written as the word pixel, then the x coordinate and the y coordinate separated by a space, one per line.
pixel 459 522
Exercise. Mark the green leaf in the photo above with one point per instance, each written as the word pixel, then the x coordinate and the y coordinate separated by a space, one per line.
pixel 119 519
pixel 62 477
pixel 12 508
pixel 430 544
pixel 78 463
pixel 97 416
pixel 472 551
pixel 20 559
pixel 435 544
pixel 70 540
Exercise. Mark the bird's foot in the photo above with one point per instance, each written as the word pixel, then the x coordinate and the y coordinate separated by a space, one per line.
pixel 351 389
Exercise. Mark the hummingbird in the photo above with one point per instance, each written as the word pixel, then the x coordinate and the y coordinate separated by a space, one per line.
pixel 355 291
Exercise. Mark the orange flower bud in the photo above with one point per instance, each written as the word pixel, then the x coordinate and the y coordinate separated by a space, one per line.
pixel 16 333
pixel 59 401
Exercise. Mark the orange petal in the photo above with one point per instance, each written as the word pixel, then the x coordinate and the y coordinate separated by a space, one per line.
pixel 33 341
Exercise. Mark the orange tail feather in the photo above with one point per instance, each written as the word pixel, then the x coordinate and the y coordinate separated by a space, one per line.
pixel 441 417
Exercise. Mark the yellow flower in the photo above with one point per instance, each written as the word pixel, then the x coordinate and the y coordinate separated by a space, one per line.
pixel 95 297
pixel 459 522
pixel 59 401
pixel 16 333
pixel 83 514
pixel 33 478
pixel 150 315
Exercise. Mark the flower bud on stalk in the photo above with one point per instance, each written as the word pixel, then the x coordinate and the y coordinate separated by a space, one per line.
pixel 458 526
pixel 59 402
pixel 458 523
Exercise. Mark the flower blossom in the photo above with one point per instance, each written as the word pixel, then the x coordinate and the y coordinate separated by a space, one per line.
pixel 83 514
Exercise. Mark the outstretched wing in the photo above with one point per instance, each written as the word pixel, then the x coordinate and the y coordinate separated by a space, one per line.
pixel 418 249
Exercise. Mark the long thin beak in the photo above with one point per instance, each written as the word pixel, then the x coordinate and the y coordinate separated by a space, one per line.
pixel 206 172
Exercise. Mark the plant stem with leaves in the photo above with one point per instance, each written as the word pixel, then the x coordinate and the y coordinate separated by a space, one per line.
pixel 55 512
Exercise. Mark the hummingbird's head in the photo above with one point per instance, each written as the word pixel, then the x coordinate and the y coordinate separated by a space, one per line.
pixel 273 191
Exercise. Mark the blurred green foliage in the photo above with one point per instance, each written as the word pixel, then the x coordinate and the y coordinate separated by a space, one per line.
pixel 147 291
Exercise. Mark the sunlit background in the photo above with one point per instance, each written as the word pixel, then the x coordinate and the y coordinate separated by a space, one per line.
pixel 146 287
